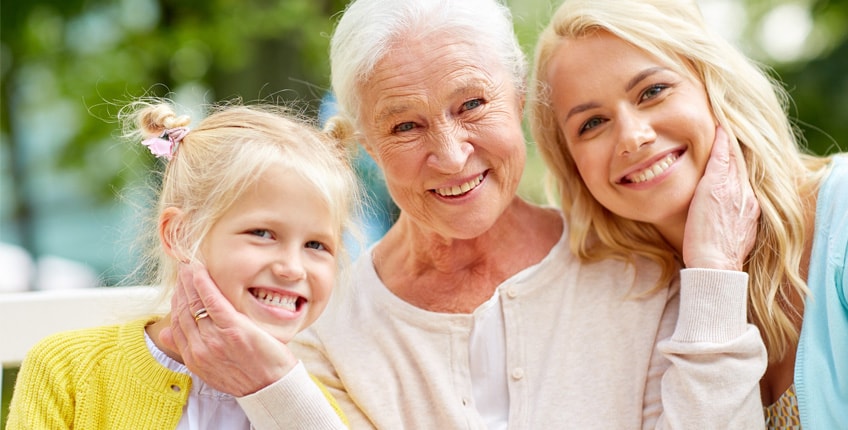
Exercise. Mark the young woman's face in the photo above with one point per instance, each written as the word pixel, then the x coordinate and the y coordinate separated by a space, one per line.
pixel 639 133
pixel 443 121
pixel 273 253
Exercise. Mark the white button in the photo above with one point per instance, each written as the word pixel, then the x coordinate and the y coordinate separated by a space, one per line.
pixel 517 373
pixel 464 402
pixel 512 293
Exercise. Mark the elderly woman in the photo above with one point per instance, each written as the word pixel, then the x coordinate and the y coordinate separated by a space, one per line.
pixel 472 312
pixel 629 95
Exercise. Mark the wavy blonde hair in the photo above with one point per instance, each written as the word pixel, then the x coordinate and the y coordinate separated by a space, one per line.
pixel 747 103
pixel 224 155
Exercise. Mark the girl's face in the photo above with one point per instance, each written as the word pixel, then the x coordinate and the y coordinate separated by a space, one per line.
pixel 639 133
pixel 273 253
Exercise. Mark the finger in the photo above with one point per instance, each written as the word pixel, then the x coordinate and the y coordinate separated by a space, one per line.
pixel 187 280
pixel 185 302
pixel 220 309
pixel 168 338
pixel 739 170
pixel 720 151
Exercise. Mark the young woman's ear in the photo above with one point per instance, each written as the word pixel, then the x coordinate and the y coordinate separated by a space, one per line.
pixel 169 232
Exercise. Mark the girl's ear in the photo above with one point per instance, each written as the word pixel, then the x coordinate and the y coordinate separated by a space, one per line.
pixel 169 232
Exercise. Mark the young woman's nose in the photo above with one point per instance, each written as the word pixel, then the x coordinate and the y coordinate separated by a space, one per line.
pixel 450 148
pixel 634 130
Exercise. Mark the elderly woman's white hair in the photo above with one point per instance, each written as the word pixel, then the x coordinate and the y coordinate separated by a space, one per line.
pixel 369 29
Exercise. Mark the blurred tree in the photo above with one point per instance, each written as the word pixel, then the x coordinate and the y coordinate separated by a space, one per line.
pixel 819 87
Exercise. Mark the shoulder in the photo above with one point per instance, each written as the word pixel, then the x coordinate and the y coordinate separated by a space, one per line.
pixel 69 343
pixel 77 350
pixel 832 201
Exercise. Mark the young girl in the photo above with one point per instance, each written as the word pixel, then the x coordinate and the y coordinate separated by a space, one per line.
pixel 258 198
pixel 629 97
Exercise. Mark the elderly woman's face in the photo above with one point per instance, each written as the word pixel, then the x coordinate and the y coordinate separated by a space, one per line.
pixel 442 118
pixel 639 133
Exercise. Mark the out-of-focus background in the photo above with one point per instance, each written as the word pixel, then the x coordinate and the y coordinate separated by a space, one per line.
pixel 71 191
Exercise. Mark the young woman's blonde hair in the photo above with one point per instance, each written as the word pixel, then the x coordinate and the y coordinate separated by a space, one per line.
pixel 222 156
pixel 747 103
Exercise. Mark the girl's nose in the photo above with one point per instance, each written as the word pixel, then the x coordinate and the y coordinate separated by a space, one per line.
pixel 289 267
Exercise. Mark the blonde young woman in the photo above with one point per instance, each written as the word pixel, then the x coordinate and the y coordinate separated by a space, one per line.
pixel 628 95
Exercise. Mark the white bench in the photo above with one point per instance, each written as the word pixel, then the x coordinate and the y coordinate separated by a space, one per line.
pixel 27 317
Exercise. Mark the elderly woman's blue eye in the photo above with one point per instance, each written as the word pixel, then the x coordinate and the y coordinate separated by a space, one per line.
pixel 471 104
pixel 406 126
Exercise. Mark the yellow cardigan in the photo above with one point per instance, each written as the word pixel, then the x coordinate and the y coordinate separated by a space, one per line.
pixel 104 378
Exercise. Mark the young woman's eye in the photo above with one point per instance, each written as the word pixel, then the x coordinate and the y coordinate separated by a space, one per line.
pixel 590 124
pixel 652 92
pixel 314 244
pixel 404 126
pixel 472 104
pixel 265 234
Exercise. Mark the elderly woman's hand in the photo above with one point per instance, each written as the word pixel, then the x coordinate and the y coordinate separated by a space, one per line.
pixel 226 349
pixel 721 227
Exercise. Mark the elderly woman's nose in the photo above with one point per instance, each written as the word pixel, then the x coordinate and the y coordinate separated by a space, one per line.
pixel 450 150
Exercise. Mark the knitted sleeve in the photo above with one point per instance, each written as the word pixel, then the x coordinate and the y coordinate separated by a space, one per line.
pixel 43 396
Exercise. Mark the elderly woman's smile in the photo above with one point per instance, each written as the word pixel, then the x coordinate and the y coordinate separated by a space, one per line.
pixel 460 190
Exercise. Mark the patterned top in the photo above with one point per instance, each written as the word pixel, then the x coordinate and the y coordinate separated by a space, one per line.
pixel 783 414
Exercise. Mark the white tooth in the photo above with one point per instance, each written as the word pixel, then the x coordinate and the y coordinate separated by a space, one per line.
pixel 465 187
pixel 656 170
pixel 649 175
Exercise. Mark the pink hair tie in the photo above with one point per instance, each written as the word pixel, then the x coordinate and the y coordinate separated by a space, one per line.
pixel 166 144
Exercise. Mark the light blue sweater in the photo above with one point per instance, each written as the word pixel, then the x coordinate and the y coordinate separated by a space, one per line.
pixel 821 366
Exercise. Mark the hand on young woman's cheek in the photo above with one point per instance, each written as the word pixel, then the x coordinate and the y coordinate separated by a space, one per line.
pixel 721 228
pixel 225 349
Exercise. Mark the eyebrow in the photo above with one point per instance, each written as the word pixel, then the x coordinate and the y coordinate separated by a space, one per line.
pixel 471 85
pixel 642 75
pixel 630 84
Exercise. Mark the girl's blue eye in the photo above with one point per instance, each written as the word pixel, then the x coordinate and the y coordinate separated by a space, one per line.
pixel 314 244
pixel 471 104
pixel 404 126
pixel 262 233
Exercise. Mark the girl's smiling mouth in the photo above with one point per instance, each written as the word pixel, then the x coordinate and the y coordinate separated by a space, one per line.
pixel 289 302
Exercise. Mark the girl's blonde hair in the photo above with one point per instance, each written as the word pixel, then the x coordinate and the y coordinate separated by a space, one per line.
pixel 225 154
pixel 748 104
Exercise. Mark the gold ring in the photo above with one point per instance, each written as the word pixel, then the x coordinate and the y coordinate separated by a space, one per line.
pixel 200 314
